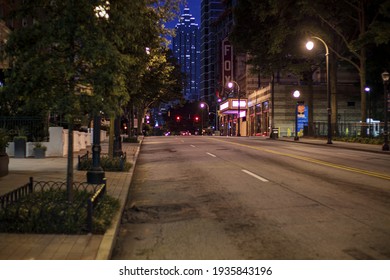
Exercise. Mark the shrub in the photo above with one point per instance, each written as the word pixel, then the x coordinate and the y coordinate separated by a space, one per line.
pixel 363 140
pixel 108 164
pixel 50 212
pixel 130 140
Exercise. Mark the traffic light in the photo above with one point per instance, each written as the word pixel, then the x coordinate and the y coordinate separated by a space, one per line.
pixel 196 119
pixel 177 118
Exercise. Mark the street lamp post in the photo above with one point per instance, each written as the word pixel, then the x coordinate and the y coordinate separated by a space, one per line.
pixel 310 46
pixel 296 95
pixel 369 122
pixel 385 78
pixel 231 85
pixel 202 105
pixel 96 174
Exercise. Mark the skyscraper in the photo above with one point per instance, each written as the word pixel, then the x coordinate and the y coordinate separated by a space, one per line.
pixel 210 12
pixel 186 49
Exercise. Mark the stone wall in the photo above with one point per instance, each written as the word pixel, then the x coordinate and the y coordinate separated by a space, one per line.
pixel 58 143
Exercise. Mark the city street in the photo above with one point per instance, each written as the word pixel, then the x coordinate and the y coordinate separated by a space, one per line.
pixel 195 197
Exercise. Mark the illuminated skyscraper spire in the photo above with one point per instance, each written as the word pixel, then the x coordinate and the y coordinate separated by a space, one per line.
pixel 186 49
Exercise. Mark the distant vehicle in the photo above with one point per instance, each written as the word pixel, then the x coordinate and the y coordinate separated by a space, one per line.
pixel 185 133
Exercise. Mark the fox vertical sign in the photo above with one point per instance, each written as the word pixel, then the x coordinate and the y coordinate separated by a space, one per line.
pixel 227 61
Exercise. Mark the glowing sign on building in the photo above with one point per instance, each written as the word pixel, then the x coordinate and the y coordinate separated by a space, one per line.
pixel 230 106
pixel 242 104
pixel 224 106
pixel 227 61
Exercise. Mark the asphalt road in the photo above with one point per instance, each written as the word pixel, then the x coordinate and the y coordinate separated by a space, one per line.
pixel 196 197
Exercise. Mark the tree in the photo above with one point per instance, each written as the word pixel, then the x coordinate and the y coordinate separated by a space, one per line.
pixel 351 28
pixel 161 82
pixel 77 59
pixel 270 32
pixel 64 63
pixel 355 28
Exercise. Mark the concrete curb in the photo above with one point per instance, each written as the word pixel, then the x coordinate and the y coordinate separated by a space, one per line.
pixel 108 242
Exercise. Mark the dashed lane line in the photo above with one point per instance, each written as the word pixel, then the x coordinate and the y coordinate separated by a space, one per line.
pixel 254 175
pixel 312 160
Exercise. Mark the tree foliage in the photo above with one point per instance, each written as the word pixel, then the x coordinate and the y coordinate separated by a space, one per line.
pixel 272 32
pixel 83 56
pixel 268 31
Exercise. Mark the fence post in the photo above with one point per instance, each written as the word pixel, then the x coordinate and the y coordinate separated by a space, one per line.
pixel 105 185
pixel 31 185
pixel 89 214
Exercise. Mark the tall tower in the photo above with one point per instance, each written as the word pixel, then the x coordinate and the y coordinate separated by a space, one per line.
pixel 186 49
pixel 210 12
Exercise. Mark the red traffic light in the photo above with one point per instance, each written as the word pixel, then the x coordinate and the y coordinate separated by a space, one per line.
pixel 196 118
pixel 178 118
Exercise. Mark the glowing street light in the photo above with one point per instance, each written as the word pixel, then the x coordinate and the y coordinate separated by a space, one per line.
pixel 296 95
pixel 310 46
pixel 101 11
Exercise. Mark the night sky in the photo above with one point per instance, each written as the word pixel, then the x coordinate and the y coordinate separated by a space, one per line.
pixel 194 6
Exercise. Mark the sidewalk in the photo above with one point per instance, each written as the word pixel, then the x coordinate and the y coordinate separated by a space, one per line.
pixel 63 247
pixel 337 144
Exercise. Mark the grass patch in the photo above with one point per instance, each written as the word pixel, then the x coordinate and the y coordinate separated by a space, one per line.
pixel 49 212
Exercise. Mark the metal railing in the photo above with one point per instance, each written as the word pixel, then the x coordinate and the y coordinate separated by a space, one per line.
pixel 93 203
pixel 96 194
pixel 32 127
pixel 15 195
pixel 104 158
pixel 349 129
pixel 82 158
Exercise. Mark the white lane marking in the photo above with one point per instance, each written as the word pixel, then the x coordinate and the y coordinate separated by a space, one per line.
pixel 211 155
pixel 254 175
pixel 193 146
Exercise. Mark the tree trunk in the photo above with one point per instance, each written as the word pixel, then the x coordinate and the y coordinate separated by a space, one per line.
pixel 131 120
pixel 310 106
pixel 111 137
pixel 363 30
pixel 140 115
pixel 363 102
pixel 69 172
pixel 333 93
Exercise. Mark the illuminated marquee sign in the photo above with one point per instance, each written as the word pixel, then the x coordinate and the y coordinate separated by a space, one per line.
pixel 230 106
pixel 242 104
pixel 224 106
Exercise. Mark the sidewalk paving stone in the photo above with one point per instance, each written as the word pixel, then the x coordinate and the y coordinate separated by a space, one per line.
pixel 59 246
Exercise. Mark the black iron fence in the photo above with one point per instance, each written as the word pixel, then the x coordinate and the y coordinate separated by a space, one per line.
pixel 92 204
pixel 15 195
pixel 81 159
pixel 347 129
pixel 96 192
pixel 107 163
pixel 31 127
